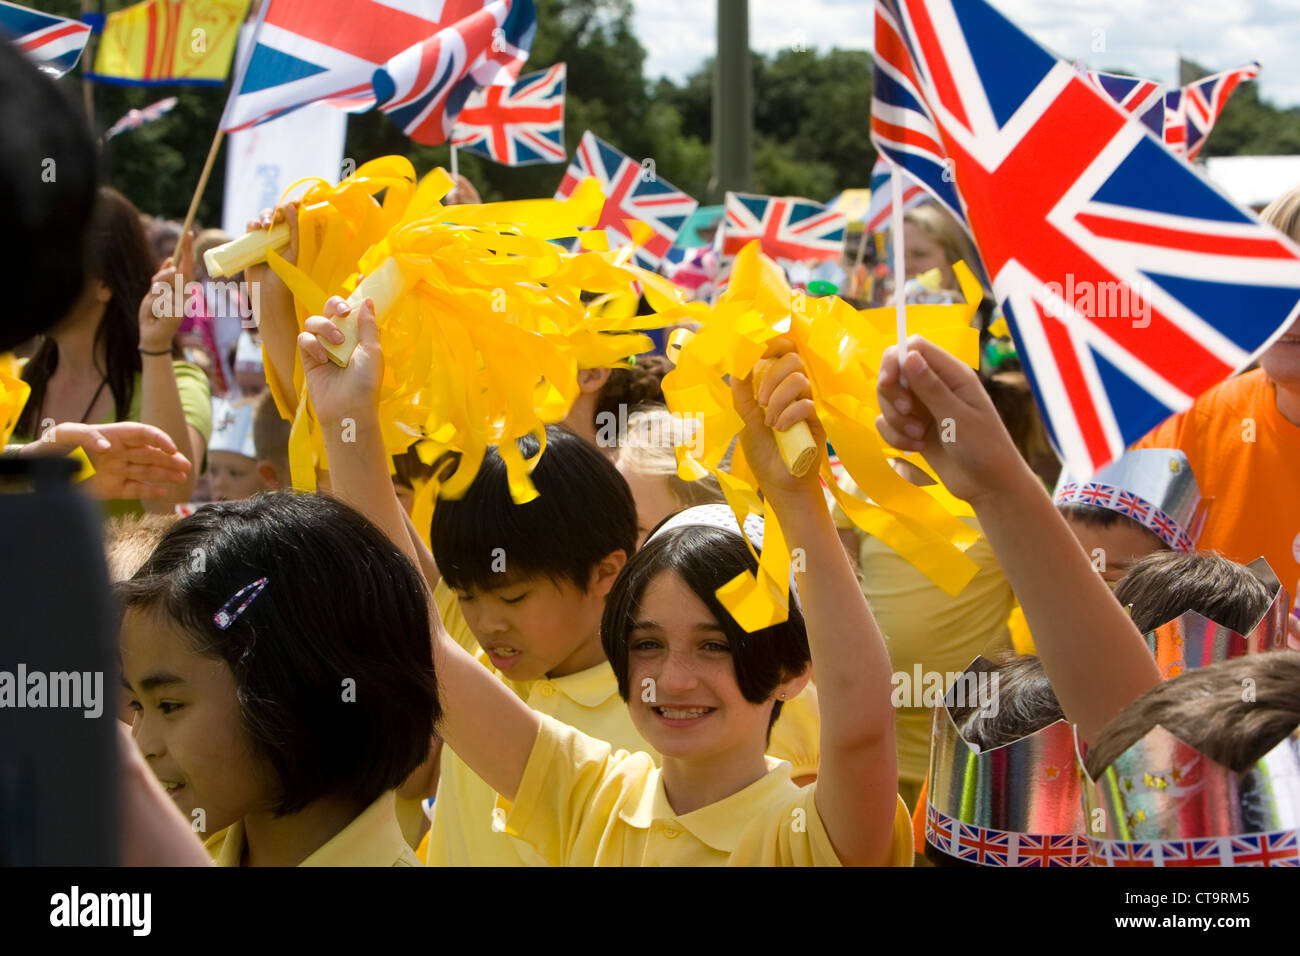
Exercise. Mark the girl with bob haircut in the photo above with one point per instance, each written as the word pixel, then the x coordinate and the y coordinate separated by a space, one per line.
pixel 701 696
pixel 276 651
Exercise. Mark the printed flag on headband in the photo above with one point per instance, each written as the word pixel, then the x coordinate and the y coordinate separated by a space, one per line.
pixel 632 191
pixel 423 88
pixel 170 42
pixel 1131 284
pixel 519 126
pixel 335 52
pixel 786 228
pixel 53 43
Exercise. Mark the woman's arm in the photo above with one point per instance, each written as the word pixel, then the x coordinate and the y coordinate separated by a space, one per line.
pixel 160 399
pixel 487 725
pixel 160 406
pixel 858 778
pixel 1094 657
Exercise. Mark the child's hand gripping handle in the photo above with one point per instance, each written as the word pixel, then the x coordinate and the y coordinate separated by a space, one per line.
pixel 385 286
pixel 796 444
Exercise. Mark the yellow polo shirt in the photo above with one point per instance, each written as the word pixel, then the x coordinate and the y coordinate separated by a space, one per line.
pixel 372 839
pixel 465 832
pixel 581 803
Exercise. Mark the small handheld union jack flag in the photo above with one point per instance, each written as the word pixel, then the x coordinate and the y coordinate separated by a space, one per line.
pixel 1197 106
pixel 786 228
pixel 881 206
pixel 423 88
pixel 1131 284
pixel 1145 99
pixel 53 43
pixel 519 126
pixel 137 118
pixel 632 191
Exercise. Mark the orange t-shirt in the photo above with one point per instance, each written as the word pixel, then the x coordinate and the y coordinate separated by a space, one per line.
pixel 1245 456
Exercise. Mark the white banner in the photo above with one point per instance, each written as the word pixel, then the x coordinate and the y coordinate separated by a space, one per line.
pixel 263 161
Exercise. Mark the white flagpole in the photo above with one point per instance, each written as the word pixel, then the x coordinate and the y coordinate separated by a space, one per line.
pixel 900 264
pixel 455 167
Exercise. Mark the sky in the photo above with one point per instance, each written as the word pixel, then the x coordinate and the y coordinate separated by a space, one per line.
pixel 1138 36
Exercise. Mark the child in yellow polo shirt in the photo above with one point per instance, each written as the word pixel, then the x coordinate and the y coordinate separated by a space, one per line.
pixel 530 612
pixel 701 691
pixel 276 652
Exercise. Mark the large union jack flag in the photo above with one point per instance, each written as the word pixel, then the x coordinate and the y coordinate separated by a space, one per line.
pixel 519 126
pixel 1197 106
pixel 1171 287
pixel 351 53
pixel 53 43
pixel 632 191
pixel 786 228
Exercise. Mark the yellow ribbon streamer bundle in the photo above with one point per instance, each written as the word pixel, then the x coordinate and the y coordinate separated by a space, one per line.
pixel 841 349
pixel 13 395
pixel 485 337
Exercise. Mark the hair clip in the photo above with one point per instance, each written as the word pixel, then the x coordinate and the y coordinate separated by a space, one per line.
pixel 226 617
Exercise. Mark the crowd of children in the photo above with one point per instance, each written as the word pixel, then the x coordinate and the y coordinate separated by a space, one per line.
pixel 312 679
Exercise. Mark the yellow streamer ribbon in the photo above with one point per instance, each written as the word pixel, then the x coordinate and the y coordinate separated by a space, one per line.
pixel 485 344
pixel 841 349
pixel 13 395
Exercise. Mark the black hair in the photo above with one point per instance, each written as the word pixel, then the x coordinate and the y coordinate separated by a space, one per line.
pixel 341 603
pixel 117 254
pixel 584 511
pixel 1095 516
pixel 706 558
pixel 47 190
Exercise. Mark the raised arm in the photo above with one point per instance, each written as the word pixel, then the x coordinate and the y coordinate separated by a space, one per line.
pixel 858 777
pixel 273 308
pixel 1094 657
pixel 489 727
pixel 160 315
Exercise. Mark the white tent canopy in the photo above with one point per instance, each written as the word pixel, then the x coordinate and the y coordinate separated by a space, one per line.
pixel 1254 181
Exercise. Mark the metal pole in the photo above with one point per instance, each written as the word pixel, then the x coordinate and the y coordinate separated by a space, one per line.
pixel 733 102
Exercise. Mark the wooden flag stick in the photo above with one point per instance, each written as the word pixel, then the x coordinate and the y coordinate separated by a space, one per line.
pixel 198 192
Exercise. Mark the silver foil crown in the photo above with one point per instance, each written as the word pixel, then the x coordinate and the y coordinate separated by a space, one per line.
pixel 1192 640
pixel 1153 486
pixel 1164 803
pixel 1015 805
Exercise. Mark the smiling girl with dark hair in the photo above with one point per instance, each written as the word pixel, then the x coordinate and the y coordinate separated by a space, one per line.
pixel 277 654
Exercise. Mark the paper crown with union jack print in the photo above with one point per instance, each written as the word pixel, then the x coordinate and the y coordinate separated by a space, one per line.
pixel 1153 486
pixel 1164 803
pixel 1015 805
pixel 1192 640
